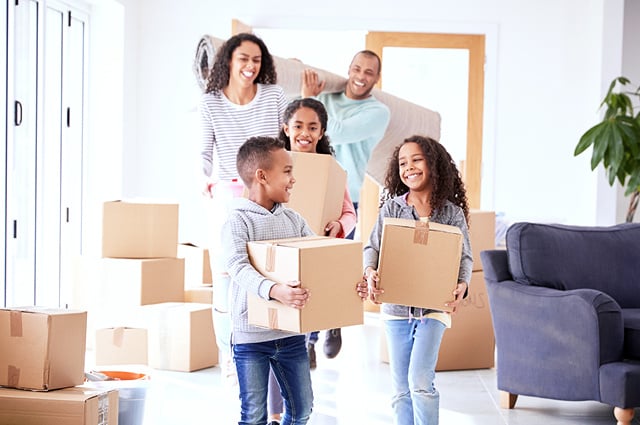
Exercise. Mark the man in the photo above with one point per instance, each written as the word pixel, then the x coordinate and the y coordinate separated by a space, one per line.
pixel 357 122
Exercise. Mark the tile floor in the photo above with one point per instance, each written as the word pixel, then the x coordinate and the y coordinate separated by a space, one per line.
pixel 353 388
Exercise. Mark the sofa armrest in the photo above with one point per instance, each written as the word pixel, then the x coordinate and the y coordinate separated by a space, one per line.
pixel 551 343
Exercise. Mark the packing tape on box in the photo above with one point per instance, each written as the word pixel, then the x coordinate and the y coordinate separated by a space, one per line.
pixel 118 336
pixel 421 233
pixel 15 319
pixel 273 318
pixel 271 257
pixel 13 376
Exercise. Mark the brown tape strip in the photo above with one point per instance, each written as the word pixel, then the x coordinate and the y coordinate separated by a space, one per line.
pixel 118 336
pixel 13 376
pixel 15 319
pixel 273 318
pixel 421 233
pixel 271 258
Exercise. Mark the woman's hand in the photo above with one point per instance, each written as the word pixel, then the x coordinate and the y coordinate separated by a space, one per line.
pixel 458 294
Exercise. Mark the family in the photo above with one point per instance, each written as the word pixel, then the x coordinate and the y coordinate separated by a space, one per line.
pixel 248 129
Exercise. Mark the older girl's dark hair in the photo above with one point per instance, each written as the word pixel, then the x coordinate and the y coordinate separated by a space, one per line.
pixel 255 153
pixel 219 76
pixel 445 178
pixel 324 144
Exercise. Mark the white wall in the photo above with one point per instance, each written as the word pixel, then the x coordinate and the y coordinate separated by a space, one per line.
pixel 546 76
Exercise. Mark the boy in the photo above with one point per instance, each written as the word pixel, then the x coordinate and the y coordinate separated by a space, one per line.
pixel 266 168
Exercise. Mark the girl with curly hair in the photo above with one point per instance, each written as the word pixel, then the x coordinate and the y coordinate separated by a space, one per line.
pixel 241 100
pixel 422 181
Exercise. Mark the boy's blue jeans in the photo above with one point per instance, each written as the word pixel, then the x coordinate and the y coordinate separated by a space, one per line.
pixel 290 363
pixel 413 352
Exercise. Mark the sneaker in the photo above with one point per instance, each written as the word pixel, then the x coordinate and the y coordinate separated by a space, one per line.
pixel 311 350
pixel 332 343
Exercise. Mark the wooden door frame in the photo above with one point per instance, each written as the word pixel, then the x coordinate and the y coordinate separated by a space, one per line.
pixel 475 45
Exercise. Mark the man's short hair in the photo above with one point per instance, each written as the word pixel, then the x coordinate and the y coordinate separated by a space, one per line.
pixel 255 153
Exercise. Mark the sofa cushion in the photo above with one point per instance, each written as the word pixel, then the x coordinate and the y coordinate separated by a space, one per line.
pixel 571 257
pixel 631 319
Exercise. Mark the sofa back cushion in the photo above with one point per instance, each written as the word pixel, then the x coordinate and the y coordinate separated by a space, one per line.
pixel 571 257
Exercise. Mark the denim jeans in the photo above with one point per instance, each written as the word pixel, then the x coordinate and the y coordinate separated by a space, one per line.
pixel 413 352
pixel 290 363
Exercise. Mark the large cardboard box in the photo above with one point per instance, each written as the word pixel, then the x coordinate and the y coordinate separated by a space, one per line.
pixel 368 206
pixel 419 263
pixel 318 192
pixel 197 265
pixel 121 345
pixel 470 343
pixel 70 406
pixel 139 230
pixel 181 336
pixel 42 348
pixel 328 267
pixel 482 234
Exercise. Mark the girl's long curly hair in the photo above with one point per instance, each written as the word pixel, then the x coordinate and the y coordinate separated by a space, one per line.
pixel 218 78
pixel 446 182
pixel 324 144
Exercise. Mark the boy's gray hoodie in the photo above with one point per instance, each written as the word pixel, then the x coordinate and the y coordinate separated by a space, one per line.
pixel 397 207
pixel 247 222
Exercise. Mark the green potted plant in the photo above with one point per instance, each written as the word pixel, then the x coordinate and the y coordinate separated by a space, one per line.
pixel 616 142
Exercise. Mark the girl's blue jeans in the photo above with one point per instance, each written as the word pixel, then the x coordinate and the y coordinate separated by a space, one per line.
pixel 413 352
pixel 290 363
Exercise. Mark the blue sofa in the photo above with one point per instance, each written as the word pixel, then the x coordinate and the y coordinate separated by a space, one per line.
pixel 565 303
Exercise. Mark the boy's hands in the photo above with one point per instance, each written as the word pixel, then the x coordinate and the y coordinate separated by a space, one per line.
pixel 290 294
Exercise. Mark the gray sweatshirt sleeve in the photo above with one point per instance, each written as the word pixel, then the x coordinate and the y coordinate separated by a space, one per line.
pixel 371 252
pixel 466 261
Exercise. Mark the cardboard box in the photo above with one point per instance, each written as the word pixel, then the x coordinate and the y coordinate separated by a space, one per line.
pixel 197 265
pixel 181 336
pixel 368 207
pixel 42 348
pixel 139 230
pixel 329 267
pixel 203 295
pixel 419 263
pixel 470 343
pixel 482 234
pixel 121 345
pixel 318 192
pixel 70 406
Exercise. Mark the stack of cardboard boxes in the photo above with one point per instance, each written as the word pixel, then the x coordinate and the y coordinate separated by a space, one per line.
pixel 135 293
pixel 42 359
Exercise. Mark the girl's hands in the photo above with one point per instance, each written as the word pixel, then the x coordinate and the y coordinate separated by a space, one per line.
pixel 458 294
pixel 333 229
pixel 372 278
pixel 290 294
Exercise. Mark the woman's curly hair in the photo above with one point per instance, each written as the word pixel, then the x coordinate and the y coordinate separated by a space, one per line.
pixel 218 78
pixel 324 144
pixel 446 182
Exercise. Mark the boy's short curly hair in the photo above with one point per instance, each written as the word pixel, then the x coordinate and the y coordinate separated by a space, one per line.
pixel 255 153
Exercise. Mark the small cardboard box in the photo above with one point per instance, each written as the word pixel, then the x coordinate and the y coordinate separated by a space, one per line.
pixel 197 266
pixel 470 343
pixel 121 345
pixel 318 192
pixel 368 207
pixel 482 234
pixel 139 230
pixel 329 267
pixel 69 406
pixel 419 263
pixel 202 294
pixel 42 348
pixel 181 336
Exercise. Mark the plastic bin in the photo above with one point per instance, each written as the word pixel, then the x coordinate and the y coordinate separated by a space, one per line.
pixel 132 391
